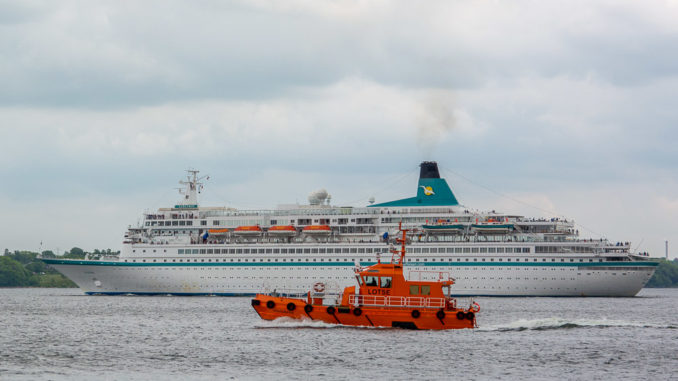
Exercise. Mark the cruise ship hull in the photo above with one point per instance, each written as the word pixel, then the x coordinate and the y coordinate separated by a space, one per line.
pixel 611 279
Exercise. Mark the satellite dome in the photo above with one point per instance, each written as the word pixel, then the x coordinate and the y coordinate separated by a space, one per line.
pixel 318 197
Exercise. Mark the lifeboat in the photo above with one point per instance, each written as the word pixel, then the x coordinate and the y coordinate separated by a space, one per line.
pixel 492 225
pixel 253 230
pixel 382 298
pixel 282 230
pixel 444 228
pixel 317 229
pixel 218 231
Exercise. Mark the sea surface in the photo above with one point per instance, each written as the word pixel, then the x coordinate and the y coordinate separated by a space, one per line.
pixel 62 334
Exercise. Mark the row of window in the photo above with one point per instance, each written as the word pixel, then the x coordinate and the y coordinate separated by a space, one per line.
pixel 356 250
pixel 299 222
pixel 277 260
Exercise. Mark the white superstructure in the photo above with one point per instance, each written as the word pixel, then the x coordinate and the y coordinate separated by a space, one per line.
pixel 194 250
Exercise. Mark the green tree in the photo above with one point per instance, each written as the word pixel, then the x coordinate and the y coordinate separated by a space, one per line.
pixel 36 267
pixel 23 257
pixel 13 273
pixel 666 275
pixel 48 254
pixel 75 253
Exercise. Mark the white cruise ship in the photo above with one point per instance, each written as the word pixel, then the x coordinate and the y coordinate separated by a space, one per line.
pixel 189 249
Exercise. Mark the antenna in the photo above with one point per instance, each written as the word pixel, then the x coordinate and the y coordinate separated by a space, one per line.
pixel 192 187
pixel 399 255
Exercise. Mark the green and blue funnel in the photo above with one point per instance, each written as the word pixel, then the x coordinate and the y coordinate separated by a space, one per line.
pixel 431 190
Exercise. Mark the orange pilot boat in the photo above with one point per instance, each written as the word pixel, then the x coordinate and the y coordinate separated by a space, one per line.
pixel 384 298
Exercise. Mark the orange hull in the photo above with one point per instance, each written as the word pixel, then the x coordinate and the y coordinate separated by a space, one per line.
pixel 272 307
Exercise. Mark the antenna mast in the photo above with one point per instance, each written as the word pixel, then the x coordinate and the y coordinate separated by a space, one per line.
pixel 399 255
pixel 192 186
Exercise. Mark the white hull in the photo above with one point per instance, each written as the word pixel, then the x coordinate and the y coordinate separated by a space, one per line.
pixel 473 279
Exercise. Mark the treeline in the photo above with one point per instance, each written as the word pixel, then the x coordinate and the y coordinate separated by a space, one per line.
pixel 25 269
pixel 665 276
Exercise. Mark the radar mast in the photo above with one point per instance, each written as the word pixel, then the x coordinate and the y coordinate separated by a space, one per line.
pixel 191 187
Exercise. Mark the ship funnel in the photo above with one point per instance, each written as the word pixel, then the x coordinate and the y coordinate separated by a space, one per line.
pixel 429 170
pixel 431 190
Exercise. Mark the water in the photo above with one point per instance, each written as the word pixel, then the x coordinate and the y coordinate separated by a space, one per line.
pixel 61 334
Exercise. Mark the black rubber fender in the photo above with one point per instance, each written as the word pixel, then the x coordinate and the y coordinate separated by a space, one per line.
pixel 470 315
pixel 440 314
pixel 270 304
pixel 461 315
pixel 331 310
pixel 415 313
pixel 291 306
pixel 308 308
pixel 357 311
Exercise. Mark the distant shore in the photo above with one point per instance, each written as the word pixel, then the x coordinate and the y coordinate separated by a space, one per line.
pixel 665 276
pixel 25 269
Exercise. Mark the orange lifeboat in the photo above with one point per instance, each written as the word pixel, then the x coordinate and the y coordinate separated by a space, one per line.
pixel 218 231
pixel 317 229
pixel 282 230
pixel 248 230
pixel 383 298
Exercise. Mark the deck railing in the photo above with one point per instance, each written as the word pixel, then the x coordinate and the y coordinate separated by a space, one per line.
pixel 398 301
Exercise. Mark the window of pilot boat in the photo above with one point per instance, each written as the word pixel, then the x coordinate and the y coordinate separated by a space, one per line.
pixel 386 282
pixel 426 290
pixel 414 290
pixel 371 281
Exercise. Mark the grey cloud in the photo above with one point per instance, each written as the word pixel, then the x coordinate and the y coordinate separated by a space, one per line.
pixel 125 55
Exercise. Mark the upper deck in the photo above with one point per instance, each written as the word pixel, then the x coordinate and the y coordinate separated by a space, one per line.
pixel 438 221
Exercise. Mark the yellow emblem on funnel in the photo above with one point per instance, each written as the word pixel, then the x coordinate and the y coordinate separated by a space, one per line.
pixel 428 190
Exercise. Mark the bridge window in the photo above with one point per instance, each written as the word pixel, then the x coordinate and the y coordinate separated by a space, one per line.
pixel 414 290
pixel 371 281
pixel 426 290
pixel 386 282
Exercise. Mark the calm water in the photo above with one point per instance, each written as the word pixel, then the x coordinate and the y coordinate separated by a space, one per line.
pixel 61 334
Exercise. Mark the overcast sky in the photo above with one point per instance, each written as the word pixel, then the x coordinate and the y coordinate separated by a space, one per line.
pixel 542 108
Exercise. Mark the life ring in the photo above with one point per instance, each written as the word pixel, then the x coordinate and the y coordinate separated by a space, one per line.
pixel 357 311
pixel 308 308
pixel 416 313
pixel 270 304
pixel 319 287
pixel 440 314
pixel 331 310
pixel 461 315
pixel 470 315
pixel 475 307
pixel 291 306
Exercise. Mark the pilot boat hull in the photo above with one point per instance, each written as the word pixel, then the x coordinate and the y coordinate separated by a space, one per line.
pixel 273 307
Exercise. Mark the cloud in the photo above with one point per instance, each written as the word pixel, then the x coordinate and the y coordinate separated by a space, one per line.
pixel 110 55
pixel 110 101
